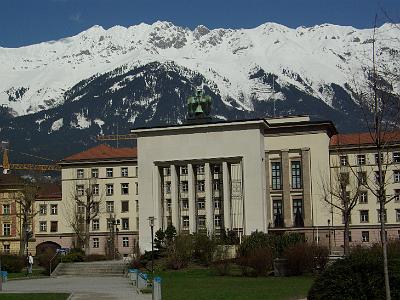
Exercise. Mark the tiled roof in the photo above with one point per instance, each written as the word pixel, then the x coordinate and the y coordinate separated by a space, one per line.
pixel 102 152
pixel 10 179
pixel 363 138
pixel 49 191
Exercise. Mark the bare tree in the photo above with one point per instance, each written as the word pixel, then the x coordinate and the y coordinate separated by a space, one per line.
pixel 381 109
pixel 342 194
pixel 86 205
pixel 25 201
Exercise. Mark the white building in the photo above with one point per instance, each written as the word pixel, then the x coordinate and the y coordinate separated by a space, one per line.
pixel 239 175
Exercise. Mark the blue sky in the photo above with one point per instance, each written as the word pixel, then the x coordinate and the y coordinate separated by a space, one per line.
pixel 24 22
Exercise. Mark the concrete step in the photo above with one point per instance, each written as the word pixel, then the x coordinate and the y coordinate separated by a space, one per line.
pixel 90 269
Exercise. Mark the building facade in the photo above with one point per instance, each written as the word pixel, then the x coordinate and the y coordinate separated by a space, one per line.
pixel 12 193
pixel 354 157
pixel 110 175
pixel 242 175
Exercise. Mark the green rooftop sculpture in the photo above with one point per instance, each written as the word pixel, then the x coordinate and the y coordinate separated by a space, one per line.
pixel 199 106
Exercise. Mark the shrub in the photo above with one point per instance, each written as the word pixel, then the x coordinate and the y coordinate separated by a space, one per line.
pixel 359 276
pixel 95 257
pixel 222 264
pixel 299 258
pixel 73 256
pixel 12 263
pixel 44 260
pixel 180 252
pixel 204 248
pixel 261 261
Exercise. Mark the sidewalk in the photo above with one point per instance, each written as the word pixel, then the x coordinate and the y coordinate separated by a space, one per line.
pixel 96 288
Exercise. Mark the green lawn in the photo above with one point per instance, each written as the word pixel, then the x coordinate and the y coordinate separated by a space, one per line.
pixel 35 273
pixel 33 296
pixel 199 284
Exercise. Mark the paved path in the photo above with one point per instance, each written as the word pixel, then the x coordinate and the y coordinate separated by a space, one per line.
pixel 97 288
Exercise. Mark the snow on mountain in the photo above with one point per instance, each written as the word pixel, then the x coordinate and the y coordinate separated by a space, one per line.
pixel 36 77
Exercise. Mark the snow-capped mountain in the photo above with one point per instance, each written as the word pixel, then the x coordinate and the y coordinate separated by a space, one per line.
pixel 83 85
pixel 36 77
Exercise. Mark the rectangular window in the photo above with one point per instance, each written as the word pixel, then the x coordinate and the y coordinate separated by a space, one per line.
pixel 278 213
pixel 137 205
pixel 6 248
pixel 201 203
pixel 124 206
pixel 169 205
pixel 109 172
pixel 95 173
pixel 363 199
pixel 364 216
pixel 43 209
pixel 377 176
pixel 96 243
pixel 125 241
pixel 184 186
pixel 95 207
pixel 216 185
pixel 6 229
pixel 296 175
pixel 79 173
pixel 6 209
pixel 53 226
pixel 376 158
pixel 184 170
pixel 217 221
pixel 81 209
pixel 95 189
pixel 95 224
pixel 362 178
pixel 109 189
pixel 53 209
pixel 185 221
pixel 135 171
pixel 201 186
pixel 137 223
pixel 365 236
pixel 276 176
pixel 298 212
pixel 343 160
pixel 361 159
pixel 42 226
pixel 200 169
pixel 344 178
pixel 80 190
pixel 125 223
pixel 167 187
pixel 396 176
pixel 396 157
pixel 185 204
pixel 201 221
pixel 217 204
pixel 378 211
pixel 110 223
pixel 397 215
pixel 343 218
pixel 217 169
pixel 110 206
pixel 124 188
pixel 167 171
pixel 124 172
pixel 396 195
pixel 137 188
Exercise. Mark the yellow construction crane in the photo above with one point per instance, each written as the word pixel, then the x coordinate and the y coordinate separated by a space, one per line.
pixel 7 166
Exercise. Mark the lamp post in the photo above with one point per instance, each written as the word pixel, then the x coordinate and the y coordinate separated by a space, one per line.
pixel 329 234
pixel 151 223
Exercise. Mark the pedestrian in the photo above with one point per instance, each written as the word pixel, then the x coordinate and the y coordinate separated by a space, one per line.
pixel 30 263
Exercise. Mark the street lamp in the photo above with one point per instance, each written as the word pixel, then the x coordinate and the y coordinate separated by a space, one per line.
pixel 151 223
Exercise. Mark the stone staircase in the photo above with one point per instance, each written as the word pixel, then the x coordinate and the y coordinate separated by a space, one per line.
pixel 97 268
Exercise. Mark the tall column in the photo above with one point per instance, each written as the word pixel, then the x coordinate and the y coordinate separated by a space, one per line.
pixel 306 177
pixel 192 199
pixel 175 198
pixel 227 196
pixel 287 208
pixel 209 199
pixel 158 205
pixel 267 191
